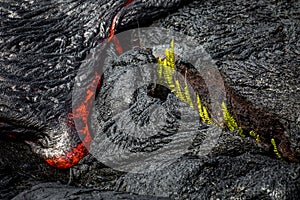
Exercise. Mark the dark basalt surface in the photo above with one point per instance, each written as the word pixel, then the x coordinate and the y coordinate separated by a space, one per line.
pixel 234 168
pixel 256 48
pixel 42 46
pixel 58 191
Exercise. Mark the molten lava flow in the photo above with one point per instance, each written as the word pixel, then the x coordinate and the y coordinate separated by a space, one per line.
pixel 70 159
pixel 81 113
pixel 114 22
pixel 118 46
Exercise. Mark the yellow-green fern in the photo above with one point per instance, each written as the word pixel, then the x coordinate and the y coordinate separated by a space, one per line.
pixel 230 121
pixel 178 91
pixel 166 67
pixel 203 111
pixel 255 136
pixel 275 149
pixel 188 96
pixel 166 71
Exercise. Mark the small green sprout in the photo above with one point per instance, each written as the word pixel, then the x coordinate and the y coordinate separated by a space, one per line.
pixel 166 67
pixel 255 136
pixel 275 149
pixel 188 98
pixel 178 91
pixel 230 121
pixel 203 111
pixel 166 71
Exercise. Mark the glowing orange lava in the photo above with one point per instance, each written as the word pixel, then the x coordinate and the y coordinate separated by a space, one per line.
pixel 82 113
pixel 113 24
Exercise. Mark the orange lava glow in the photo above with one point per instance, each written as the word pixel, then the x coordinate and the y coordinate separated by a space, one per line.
pixel 70 159
pixel 112 29
pixel 113 24
pixel 82 113
pixel 118 45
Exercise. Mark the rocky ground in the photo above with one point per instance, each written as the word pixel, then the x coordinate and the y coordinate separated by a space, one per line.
pixel 256 48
